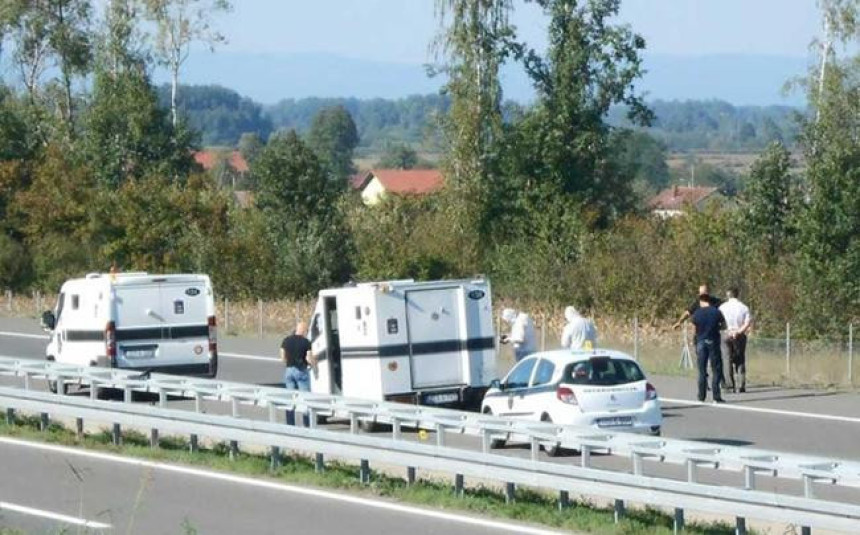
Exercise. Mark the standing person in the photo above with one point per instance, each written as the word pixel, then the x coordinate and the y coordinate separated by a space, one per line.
pixel 296 354
pixel 708 321
pixel 690 310
pixel 522 335
pixel 738 323
pixel 579 332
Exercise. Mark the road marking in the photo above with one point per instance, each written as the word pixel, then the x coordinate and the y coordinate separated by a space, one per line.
pixel 763 410
pixel 240 356
pixel 24 335
pixel 281 487
pixel 6 506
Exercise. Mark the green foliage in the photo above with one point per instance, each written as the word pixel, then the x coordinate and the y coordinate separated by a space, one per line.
pixel 14 263
pixel 829 223
pixel 221 115
pixel 298 203
pixel 641 158
pixel 398 156
pixel 128 135
pixel 333 137
pixel 769 198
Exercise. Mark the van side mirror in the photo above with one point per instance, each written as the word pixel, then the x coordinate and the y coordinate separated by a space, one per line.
pixel 495 383
pixel 48 320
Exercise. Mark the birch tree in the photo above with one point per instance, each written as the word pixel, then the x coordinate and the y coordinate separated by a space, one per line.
pixel 179 24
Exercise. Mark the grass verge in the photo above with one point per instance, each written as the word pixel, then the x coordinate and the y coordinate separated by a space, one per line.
pixel 531 506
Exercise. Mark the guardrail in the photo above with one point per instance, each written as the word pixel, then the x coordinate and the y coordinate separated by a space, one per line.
pixel 743 501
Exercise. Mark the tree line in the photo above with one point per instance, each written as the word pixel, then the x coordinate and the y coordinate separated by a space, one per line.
pixel 548 199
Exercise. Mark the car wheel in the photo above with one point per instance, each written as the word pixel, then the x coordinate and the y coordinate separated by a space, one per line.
pixel 495 443
pixel 555 449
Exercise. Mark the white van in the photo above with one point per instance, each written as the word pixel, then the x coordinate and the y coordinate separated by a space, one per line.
pixel 429 343
pixel 138 321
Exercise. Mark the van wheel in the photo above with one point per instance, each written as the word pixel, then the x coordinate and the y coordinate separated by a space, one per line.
pixel 555 449
pixel 495 443
pixel 369 426
pixel 52 386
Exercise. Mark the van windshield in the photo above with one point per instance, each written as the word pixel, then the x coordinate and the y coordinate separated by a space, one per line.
pixel 605 371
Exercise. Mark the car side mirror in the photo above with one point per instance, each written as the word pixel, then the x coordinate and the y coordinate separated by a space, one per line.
pixel 495 383
pixel 49 321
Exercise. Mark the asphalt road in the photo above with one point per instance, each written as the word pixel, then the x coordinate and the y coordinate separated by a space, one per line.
pixel 821 423
pixel 99 493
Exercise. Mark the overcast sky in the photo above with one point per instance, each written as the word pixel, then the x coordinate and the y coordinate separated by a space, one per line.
pixel 401 30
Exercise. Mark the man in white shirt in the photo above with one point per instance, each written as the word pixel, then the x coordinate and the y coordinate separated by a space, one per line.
pixel 738 323
pixel 578 332
pixel 522 335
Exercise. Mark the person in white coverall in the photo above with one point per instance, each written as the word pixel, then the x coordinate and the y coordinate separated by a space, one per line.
pixel 522 335
pixel 579 332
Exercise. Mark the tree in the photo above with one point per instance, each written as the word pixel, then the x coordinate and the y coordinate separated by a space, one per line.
pixel 475 39
pixel 333 137
pixel 398 156
pixel 767 199
pixel 303 224
pixel 591 65
pixel 180 23
pixel 57 29
pixel 128 135
pixel 121 45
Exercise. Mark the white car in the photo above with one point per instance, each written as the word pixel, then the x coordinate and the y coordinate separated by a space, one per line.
pixel 603 389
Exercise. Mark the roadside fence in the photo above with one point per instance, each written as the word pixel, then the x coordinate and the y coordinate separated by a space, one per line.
pixel 785 361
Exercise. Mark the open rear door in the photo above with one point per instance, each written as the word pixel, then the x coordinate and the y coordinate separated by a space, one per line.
pixel 435 349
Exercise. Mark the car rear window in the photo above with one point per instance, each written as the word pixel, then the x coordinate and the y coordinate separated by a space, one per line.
pixel 605 371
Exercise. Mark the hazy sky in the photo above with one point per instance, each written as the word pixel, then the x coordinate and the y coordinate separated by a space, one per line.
pixel 401 30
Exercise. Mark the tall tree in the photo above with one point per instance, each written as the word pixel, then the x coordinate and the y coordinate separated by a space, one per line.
pixel 768 199
pixel 829 223
pixel 55 30
pixel 121 45
pixel 475 39
pixel 333 137
pixel 180 23
pixel 304 226
pixel 591 64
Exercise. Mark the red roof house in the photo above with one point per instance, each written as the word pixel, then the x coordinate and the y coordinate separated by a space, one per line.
pixel 675 200
pixel 377 183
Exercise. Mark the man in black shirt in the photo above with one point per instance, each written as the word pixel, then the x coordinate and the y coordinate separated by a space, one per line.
pixel 714 302
pixel 295 353
pixel 708 321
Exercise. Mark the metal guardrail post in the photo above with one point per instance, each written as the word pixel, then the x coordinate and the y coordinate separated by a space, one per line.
pixel 364 472
pixel 260 316
pixel 458 485
pixel 410 475
pixel 226 315
pixel 563 500
pixel 788 351
pixel 851 354
pixel 510 492
pixel 10 416
pixel 9 300
pixel 619 510
pixel 543 332
pixel 44 421
pixel 678 520
pixel 275 458
pixel 79 428
pixel 116 435
pixel 636 338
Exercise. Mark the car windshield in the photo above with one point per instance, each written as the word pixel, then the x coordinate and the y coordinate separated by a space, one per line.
pixel 605 371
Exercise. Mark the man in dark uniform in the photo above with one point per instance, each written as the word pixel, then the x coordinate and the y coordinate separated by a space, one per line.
pixel 714 302
pixel 708 321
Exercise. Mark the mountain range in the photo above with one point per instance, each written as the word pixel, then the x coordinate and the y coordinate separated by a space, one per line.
pixel 741 79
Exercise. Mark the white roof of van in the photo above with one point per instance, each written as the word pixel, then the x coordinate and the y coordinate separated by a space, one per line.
pixel 138 277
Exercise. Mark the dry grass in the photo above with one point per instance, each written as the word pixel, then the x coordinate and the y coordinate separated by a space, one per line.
pixel 814 363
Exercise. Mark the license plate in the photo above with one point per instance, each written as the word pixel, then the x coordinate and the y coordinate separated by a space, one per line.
pixel 615 421
pixel 439 399
pixel 139 353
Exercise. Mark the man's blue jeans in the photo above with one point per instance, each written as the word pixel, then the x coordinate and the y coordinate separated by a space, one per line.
pixel 296 379
pixel 709 350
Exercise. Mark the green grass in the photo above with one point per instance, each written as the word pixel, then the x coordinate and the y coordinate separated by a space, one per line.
pixel 531 506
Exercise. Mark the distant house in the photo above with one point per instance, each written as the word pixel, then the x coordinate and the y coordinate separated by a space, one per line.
pixel 676 200
pixel 375 184
pixel 230 168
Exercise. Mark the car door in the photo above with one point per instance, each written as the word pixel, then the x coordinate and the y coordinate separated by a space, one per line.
pixel 541 391
pixel 516 386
